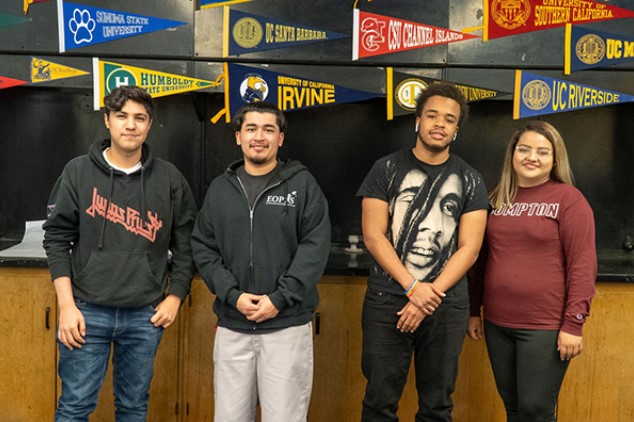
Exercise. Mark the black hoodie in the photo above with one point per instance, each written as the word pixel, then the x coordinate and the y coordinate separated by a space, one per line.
pixel 121 260
pixel 280 247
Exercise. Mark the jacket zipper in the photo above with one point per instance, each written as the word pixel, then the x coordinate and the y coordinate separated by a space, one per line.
pixel 251 210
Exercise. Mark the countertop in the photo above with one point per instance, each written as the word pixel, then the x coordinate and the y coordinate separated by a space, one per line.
pixel 614 266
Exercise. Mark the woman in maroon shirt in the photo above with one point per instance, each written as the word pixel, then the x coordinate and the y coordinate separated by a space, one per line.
pixel 535 276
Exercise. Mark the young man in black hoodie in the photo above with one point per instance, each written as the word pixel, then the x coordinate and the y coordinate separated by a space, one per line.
pixel 112 216
pixel 261 242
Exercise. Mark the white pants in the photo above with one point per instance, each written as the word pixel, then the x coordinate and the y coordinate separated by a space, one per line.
pixel 274 367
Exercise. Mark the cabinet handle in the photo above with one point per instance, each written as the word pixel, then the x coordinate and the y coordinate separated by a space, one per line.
pixel 47 315
pixel 317 323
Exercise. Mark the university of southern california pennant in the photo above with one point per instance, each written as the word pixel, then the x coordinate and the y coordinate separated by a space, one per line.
pixel 109 75
pixel 375 35
pixel 45 71
pixel 403 89
pixel 207 4
pixel 536 95
pixel 249 33
pixel 503 18
pixel 587 49
pixel 246 84
pixel 81 25
pixel 10 82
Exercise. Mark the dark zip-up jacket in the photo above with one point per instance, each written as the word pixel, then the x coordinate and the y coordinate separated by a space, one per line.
pixel 279 247
pixel 119 258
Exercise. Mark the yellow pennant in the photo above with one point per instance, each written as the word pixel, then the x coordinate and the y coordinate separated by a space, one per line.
pixel 44 71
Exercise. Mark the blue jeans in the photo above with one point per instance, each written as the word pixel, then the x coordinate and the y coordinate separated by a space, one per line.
pixel 135 341
pixel 387 354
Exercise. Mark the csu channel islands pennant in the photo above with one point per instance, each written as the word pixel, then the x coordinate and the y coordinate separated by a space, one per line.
pixel 536 95
pixel 503 18
pixel 587 49
pixel 81 25
pixel 375 35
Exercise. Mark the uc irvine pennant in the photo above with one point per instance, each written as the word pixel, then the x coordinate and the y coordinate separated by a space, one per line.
pixel 503 18
pixel 111 75
pixel 536 95
pixel 587 49
pixel 81 25
pixel 248 33
pixel 247 84
pixel 375 35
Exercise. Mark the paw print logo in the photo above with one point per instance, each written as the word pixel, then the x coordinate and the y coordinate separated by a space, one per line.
pixel 82 25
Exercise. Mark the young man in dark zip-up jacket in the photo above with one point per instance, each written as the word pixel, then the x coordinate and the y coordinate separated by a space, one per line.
pixel 261 242
pixel 112 216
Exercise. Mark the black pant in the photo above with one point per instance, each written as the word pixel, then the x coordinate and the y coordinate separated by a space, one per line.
pixel 387 354
pixel 528 371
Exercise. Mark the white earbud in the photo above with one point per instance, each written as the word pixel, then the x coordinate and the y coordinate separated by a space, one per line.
pixel 416 129
pixel 455 135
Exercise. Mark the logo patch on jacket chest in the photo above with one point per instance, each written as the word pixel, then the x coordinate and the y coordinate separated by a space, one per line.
pixel 288 200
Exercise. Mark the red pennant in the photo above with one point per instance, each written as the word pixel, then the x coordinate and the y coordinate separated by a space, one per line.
pixel 9 83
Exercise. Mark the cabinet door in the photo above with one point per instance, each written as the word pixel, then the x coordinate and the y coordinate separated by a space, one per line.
pixel 27 345
pixel 199 332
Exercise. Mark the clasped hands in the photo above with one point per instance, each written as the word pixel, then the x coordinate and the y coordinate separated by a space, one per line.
pixel 257 308
pixel 423 301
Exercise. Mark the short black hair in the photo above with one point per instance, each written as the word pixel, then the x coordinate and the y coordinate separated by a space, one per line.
pixel 118 97
pixel 260 107
pixel 443 89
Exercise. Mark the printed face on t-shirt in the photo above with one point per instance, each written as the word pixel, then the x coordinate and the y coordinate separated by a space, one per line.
pixel 429 233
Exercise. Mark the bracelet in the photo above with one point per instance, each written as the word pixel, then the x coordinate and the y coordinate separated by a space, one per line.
pixel 411 288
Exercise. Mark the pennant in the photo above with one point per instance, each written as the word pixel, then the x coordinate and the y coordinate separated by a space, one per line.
pixel 403 90
pixel 244 84
pixel 248 33
pixel 81 25
pixel 375 35
pixel 8 20
pixel 44 71
pixel 208 4
pixel 10 83
pixel 536 95
pixel 503 18
pixel 109 76
pixel 27 3
pixel 587 49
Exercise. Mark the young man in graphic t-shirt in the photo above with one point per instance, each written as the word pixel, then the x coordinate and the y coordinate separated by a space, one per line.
pixel 424 214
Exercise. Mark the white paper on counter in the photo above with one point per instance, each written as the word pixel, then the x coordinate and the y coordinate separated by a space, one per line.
pixel 31 245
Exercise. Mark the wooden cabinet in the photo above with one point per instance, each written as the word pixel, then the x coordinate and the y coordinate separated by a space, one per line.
pixel 27 346
pixel 597 386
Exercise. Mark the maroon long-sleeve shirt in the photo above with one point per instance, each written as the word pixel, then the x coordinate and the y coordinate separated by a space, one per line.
pixel 539 266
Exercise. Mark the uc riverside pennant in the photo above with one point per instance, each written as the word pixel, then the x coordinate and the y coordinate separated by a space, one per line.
pixel 44 71
pixel 403 90
pixel 375 35
pixel 81 25
pixel 248 33
pixel 586 49
pixel 249 84
pixel 511 17
pixel 109 75
pixel 536 95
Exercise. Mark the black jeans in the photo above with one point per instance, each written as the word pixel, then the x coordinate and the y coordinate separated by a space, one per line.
pixel 387 354
pixel 527 369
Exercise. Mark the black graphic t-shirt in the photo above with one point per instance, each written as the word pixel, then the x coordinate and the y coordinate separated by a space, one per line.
pixel 425 203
